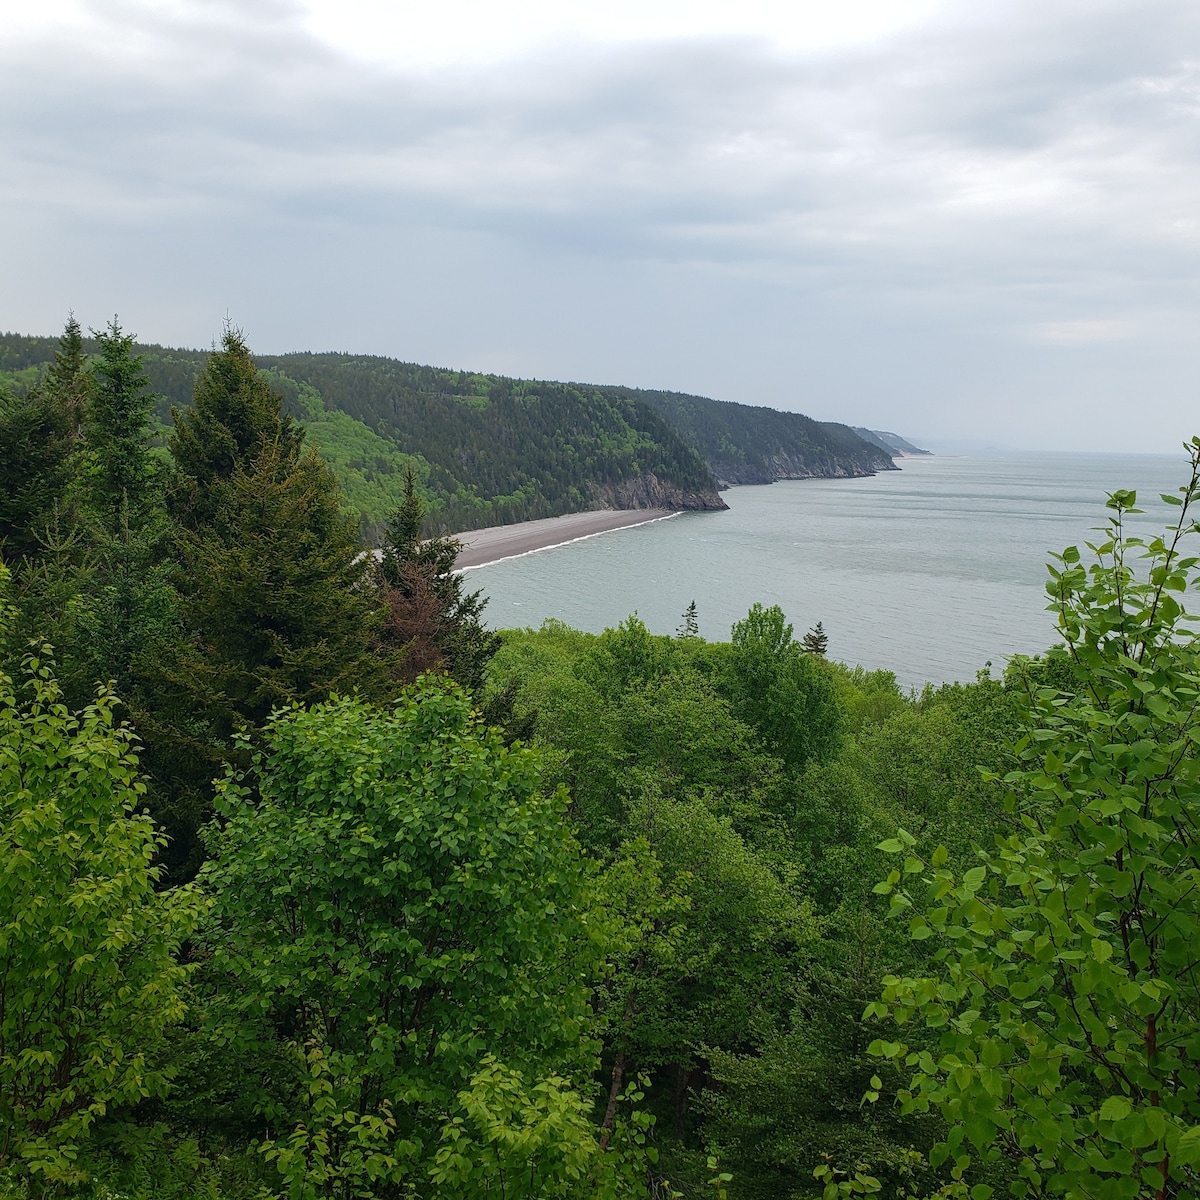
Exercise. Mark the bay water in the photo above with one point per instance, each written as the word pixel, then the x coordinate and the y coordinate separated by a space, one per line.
pixel 931 571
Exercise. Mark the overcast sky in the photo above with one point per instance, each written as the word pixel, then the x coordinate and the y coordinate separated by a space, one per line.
pixel 964 220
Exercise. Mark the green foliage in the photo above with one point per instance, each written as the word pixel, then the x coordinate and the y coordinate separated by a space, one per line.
pixel 36 439
pixel 120 479
pixel 394 891
pixel 748 885
pixel 39 426
pixel 270 597
pixel 679 799
pixel 148 1159
pixel 489 450
pixel 780 690
pixel 816 640
pixel 513 1139
pixel 68 380
pixel 744 444
pixel 273 587
pixel 1062 998
pixel 534 449
pixel 689 627
pixel 272 594
pixel 625 658
pixel 736 952
pixel 492 450
pixel 234 417
pixel 416 983
pixel 89 979
pixel 429 617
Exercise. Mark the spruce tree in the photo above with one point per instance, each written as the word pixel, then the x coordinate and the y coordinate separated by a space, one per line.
pixel 35 446
pixel 816 641
pixel 275 587
pixel 428 616
pixel 124 600
pixel 690 627
pixel 274 593
pixel 117 423
pixel 38 432
pixel 276 604
pixel 235 414
pixel 68 380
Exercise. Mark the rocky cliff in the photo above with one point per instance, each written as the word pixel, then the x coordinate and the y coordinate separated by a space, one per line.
pixel 648 491
pixel 773 467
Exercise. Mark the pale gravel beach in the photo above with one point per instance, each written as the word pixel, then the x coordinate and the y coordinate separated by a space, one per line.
pixel 483 546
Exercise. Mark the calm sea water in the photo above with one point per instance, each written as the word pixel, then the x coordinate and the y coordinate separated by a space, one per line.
pixel 931 571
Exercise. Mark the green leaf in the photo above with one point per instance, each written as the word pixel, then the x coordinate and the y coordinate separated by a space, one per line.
pixel 973 879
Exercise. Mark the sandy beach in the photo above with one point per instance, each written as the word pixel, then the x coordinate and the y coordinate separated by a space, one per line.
pixel 483 546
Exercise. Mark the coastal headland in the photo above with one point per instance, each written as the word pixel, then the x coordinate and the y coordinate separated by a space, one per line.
pixel 483 546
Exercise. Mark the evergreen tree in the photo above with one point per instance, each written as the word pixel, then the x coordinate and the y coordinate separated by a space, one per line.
pixel 37 435
pixel 35 446
pixel 68 380
pixel 428 615
pixel 816 641
pixel 275 605
pixel 274 594
pixel 124 600
pixel 690 627
pixel 121 478
pixel 235 414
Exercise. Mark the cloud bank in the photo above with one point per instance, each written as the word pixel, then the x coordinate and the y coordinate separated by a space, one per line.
pixel 982 224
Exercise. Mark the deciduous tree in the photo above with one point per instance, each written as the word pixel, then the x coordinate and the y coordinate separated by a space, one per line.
pixel 89 978
pixel 1064 989
pixel 398 895
pixel 785 694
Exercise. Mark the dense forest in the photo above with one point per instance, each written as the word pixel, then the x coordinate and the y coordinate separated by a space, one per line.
pixel 488 450
pixel 313 887
pixel 747 444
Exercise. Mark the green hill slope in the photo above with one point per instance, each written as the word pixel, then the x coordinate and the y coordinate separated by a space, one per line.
pixel 746 444
pixel 490 450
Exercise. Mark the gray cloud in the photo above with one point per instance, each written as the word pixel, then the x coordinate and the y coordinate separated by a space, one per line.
pixel 986 227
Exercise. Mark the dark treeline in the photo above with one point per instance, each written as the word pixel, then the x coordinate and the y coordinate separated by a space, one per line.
pixel 312 887
pixel 491 450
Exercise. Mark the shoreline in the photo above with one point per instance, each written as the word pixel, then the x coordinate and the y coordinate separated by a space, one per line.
pixel 482 547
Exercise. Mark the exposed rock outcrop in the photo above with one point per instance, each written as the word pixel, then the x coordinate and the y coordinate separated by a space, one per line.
pixel 648 491
pixel 778 466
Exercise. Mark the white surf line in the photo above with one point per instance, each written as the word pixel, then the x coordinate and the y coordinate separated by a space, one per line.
pixel 569 542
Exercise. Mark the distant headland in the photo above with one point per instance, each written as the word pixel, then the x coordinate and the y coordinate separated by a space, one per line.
pixel 489 450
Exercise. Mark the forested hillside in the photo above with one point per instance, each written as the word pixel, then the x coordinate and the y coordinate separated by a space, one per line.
pixel 745 444
pixel 314 888
pixel 489 450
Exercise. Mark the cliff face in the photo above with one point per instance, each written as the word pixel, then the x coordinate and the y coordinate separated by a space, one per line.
pixel 788 466
pixel 648 491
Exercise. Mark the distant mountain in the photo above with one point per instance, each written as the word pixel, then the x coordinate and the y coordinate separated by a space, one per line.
pixel 490 450
pixel 893 443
